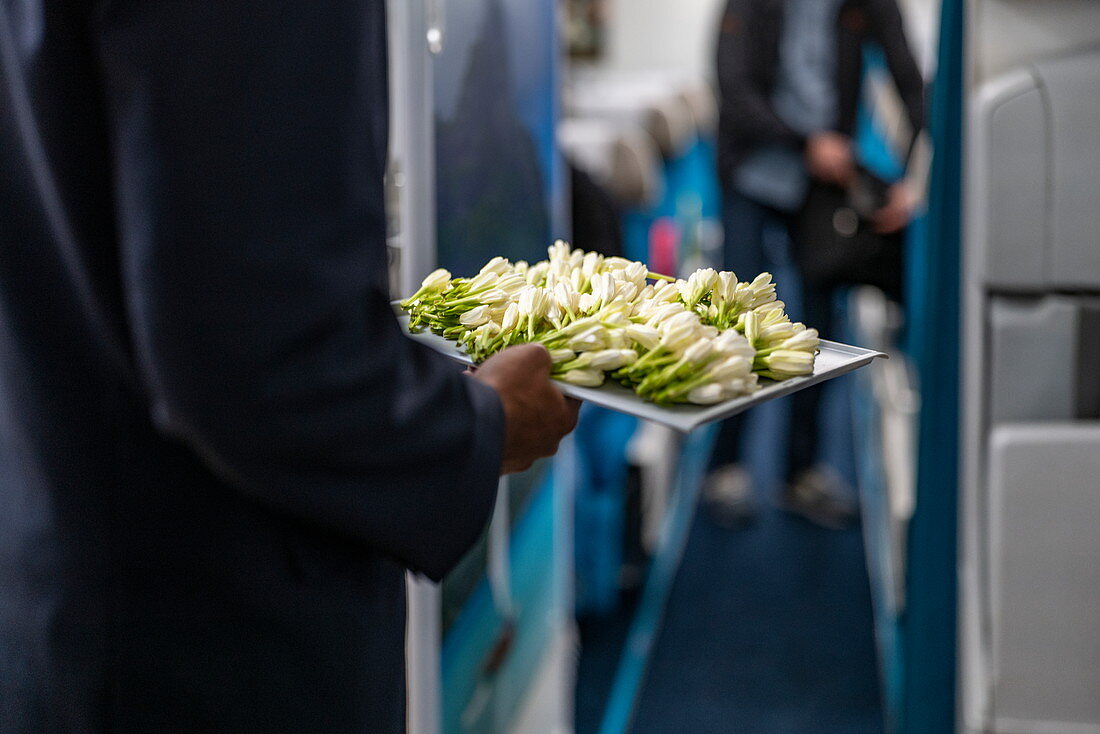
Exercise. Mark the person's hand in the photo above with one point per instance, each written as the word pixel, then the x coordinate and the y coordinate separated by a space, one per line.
pixel 897 211
pixel 536 414
pixel 829 157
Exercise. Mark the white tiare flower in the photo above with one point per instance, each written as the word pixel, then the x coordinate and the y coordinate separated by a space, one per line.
pixel 615 263
pixel 554 312
pixel 511 318
pixel 483 281
pixel 534 302
pixel 698 285
pixel 617 339
pixel 790 363
pixel 625 292
pixel 707 394
pixel 763 290
pixel 698 352
pixel 512 283
pixel 436 281
pixel 806 340
pixel 665 292
pixel 731 343
pixel 678 339
pixel 582 378
pixel 662 313
pixel 587 303
pixel 494 295
pixel 634 273
pixel 577 280
pixel 729 368
pixel 560 271
pixel 589 340
pixel 605 359
pixel 591 264
pixel 486 331
pixel 725 289
pixel 567 299
pixel 739 386
pixel 764 308
pixel 498 266
pixel 559 250
pixel 646 336
pixel 604 287
pixel 536 274
pixel 751 324
pixel 557 356
pixel 474 317
pixel 680 319
pixel 779 332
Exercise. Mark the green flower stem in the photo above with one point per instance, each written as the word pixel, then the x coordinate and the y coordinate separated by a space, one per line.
pixel 658 276
pixel 675 392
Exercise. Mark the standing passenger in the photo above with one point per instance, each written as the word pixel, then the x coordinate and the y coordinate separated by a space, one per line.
pixel 789 76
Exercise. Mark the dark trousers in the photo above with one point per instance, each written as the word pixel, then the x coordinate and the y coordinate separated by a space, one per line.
pixel 748 225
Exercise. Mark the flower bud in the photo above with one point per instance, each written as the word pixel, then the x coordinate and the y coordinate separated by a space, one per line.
pixel 725 290
pixel 665 292
pixel 646 336
pixel 511 318
pixel 534 302
pixel 591 264
pixel 483 281
pixel 635 273
pixel 698 352
pixel 498 266
pixel 589 340
pixel 706 394
pixel 582 378
pixel 612 359
pixel 536 274
pixel 805 340
pixel 436 281
pixel 559 250
pixel 494 295
pixel 790 363
pixel 730 343
pixel 730 368
pixel 751 321
pixel 475 317
pixel 512 284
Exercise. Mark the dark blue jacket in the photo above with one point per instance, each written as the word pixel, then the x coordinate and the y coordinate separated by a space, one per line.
pixel 747 60
pixel 218 454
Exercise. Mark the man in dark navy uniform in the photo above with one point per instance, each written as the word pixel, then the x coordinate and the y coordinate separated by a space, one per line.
pixel 218 454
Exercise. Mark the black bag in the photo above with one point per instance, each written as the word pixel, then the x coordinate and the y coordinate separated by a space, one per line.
pixel 834 243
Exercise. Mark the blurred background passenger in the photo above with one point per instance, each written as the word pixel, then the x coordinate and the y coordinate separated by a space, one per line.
pixel 790 76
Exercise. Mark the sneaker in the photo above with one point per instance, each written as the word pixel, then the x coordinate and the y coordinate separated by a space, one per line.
pixel 727 495
pixel 821 497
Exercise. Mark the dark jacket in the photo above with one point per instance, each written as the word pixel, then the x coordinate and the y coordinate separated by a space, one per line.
pixel 218 453
pixel 748 58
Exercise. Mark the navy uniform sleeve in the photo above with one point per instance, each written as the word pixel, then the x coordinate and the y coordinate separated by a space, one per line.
pixel 249 150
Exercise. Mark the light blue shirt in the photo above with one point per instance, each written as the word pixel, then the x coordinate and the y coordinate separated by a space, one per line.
pixel 805 97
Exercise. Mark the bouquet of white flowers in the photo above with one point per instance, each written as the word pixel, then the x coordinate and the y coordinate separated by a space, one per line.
pixel 702 340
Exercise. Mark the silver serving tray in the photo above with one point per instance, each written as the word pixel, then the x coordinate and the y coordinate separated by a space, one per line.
pixel 833 360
